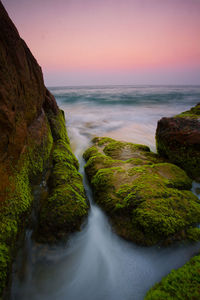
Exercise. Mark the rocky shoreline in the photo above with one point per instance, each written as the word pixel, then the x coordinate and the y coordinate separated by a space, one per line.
pixel 146 195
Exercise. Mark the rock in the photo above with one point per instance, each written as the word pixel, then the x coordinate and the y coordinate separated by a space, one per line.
pixel 178 139
pixel 147 199
pixel 182 283
pixel 31 128
pixel 66 206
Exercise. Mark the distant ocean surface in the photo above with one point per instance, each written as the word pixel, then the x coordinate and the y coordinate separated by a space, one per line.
pixel 128 113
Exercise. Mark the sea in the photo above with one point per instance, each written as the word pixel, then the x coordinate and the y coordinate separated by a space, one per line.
pixel 96 264
pixel 128 113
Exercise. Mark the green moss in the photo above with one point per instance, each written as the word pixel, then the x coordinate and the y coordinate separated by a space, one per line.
pixel 58 127
pixel 5 260
pixel 164 174
pixel 8 229
pixel 104 187
pixel 164 217
pixel 115 149
pixel 138 162
pixel 176 177
pixel 150 197
pixel 19 195
pixel 18 199
pixel 186 157
pixel 38 155
pixel 193 234
pixel 66 206
pixel 12 214
pixel 63 212
pixel 180 284
pixel 104 178
pixel 193 113
pixel 95 162
pixel 100 141
pixel 92 151
pixel 62 153
pixel 64 174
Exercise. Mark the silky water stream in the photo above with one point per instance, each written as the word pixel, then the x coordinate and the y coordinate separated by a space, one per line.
pixel 95 264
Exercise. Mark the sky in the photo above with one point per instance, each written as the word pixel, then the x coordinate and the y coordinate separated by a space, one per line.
pixel 96 42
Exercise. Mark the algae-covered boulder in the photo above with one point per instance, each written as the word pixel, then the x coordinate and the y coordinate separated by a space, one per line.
pixel 147 199
pixel 183 283
pixel 65 208
pixel 178 139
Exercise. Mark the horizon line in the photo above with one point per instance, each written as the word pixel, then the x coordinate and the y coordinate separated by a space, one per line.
pixel 125 85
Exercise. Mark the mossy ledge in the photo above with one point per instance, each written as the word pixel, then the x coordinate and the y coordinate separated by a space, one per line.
pixel 183 283
pixel 66 206
pixel 33 139
pixel 178 139
pixel 148 200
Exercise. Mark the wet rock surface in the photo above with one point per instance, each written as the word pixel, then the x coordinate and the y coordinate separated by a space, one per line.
pixel 147 199
pixel 178 139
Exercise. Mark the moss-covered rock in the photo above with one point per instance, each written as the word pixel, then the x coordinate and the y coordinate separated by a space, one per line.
pixel 18 197
pixel 61 213
pixel 147 199
pixel 193 113
pixel 66 206
pixel 5 260
pixel 178 139
pixel 62 153
pixel 183 283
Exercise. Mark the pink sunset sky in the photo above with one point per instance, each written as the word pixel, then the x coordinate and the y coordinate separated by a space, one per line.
pixel 85 42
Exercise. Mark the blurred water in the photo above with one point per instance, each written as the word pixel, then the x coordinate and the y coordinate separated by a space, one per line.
pixel 123 112
pixel 96 264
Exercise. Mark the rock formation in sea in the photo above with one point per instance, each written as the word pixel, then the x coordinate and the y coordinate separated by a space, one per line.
pixel 33 145
pixel 147 199
pixel 178 139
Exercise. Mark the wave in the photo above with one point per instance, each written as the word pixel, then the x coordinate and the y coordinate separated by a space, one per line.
pixel 128 95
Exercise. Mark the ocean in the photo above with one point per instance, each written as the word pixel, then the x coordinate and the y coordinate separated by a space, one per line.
pixel 128 113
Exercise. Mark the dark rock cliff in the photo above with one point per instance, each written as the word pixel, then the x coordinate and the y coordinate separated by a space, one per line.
pixel 32 137
pixel 22 90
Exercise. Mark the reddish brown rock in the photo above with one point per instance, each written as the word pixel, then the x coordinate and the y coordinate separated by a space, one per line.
pixel 178 139
pixel 25 136
pixel 30 125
